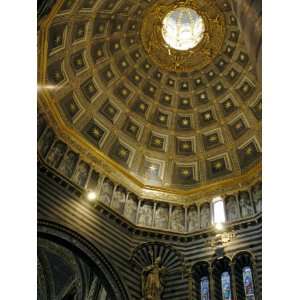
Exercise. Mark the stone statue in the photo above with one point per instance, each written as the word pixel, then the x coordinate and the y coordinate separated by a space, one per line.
pixel 257 196
pixel 118 200
pixel 41 124
pixel 152 284
pixel 161 217
pixel 178 219
pixel 145 215
pixel 46 142
pixel 231 209
pixel 106 192
pixel 82 173
pixel 130 209
pixel 205 216
pixel 67 166
pixel 193 220
pixel 245 204
pixel 56 154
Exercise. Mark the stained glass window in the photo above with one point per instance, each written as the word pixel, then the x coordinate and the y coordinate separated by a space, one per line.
pixel 183 28
pixel 226 286
pixel 204 286
pixel 248 283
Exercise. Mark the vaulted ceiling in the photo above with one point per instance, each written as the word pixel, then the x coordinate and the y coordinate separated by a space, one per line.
pixel 172 130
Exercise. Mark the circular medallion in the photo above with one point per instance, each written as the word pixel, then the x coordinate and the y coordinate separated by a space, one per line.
pixel 183 36
pixel 183 28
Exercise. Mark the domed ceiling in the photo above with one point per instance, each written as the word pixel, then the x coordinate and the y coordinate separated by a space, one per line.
pixel 161 124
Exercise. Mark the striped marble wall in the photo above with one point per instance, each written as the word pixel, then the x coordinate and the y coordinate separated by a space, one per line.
pixel 59 201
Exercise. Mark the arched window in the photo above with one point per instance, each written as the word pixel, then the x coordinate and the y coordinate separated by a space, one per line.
pixel 226 286
pixel 222 275
pixel 204 288
pixel 248 283
pixel 201 277
pixel 244 281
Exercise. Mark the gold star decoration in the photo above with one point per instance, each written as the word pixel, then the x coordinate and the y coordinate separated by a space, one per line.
pixel 109 74
pixel 185 146
pixel 96 132
pixel 184 85
pixel 219 87
pixel 79 62
pixel 157 141
pixel 212 138
pixel 228 104
pixel 185 172
pixel 246 88
pixel 132 128
pixel 91 88
pixel 207 116
pixel 151 89
pixel 142 106
pixel 203 96
pixel 162 118
pixel 232 73
pixel 124 92
pixel 249 151
pixel 218 165
pixel 185 122
pixel 99 52
pixel 80 32
pixel 111 110
pixel 72 107
pixel 122 152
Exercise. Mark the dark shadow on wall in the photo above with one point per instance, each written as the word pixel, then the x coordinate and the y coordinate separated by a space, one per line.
pixel 70 267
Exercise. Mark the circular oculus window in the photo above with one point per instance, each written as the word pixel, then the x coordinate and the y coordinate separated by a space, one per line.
pixel 183 28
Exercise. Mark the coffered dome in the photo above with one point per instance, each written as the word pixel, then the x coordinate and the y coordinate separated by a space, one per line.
pixel 159 129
